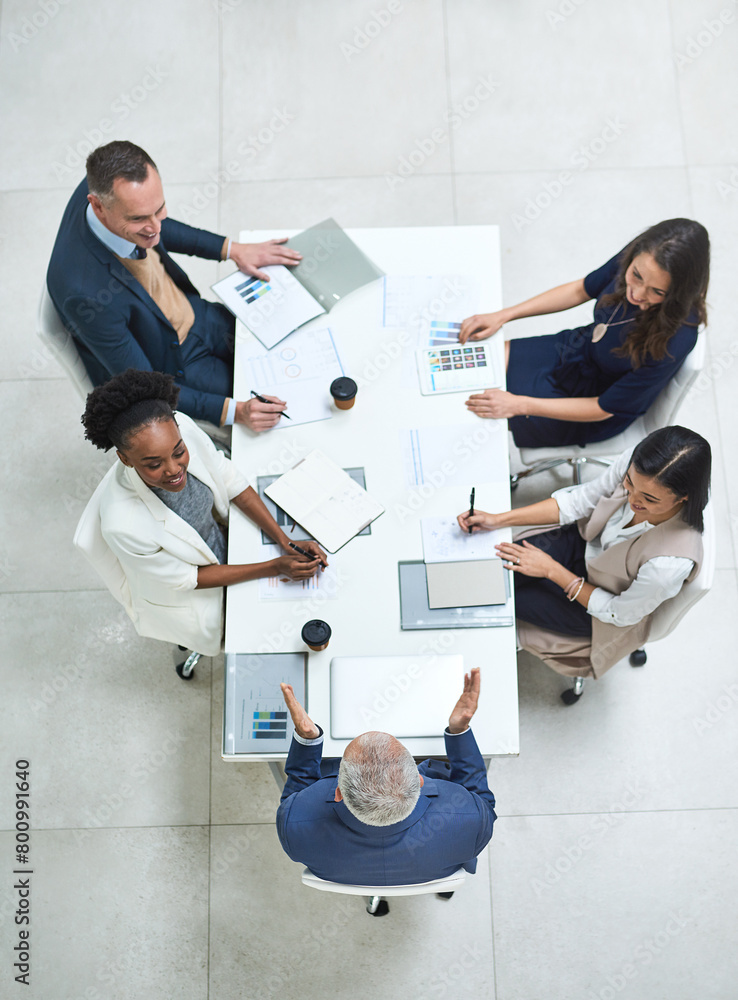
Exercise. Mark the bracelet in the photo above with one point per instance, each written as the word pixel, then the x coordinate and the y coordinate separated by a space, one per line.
pixel 572 583
pixel 581 584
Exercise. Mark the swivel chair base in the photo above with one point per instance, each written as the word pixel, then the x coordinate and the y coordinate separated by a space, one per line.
pixel 572 695
pixel 575 462
pixel 186 669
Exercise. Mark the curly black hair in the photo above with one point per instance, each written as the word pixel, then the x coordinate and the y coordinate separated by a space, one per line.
pixel 124 404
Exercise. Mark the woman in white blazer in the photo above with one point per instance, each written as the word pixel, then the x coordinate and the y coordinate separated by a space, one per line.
pixel 154 528
pixel 625 543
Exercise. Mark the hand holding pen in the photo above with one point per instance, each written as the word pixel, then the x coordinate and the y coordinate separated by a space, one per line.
pixel 271 402
pixel 471 507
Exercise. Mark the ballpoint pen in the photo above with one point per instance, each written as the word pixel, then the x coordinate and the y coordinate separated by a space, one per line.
pixel 263 400
pixel 471 507
pixel 303 552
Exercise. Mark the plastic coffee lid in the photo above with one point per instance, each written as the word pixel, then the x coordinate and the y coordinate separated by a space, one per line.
pixel 344 388
pixel 316 632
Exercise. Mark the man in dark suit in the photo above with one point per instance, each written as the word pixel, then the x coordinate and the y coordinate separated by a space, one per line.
pixel 383 820
pixel 127 304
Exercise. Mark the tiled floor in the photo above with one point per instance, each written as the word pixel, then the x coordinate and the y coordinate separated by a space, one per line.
pixel 158 874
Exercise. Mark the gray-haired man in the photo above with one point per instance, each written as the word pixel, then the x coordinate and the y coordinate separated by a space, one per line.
pixel 383 820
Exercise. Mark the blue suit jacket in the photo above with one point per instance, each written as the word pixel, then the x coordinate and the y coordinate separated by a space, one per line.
pixel 450 825
pixel 114 322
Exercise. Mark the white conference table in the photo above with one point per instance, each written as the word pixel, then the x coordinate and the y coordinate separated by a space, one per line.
pixel 365 615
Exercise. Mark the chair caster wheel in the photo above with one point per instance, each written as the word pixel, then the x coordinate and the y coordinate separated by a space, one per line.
pixel 570 696
pixel 382 909
pixel 180 671
pixel 444 895
pixel 637 658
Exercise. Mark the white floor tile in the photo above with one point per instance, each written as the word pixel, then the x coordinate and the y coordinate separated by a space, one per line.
pixel 558 101
pixel 114 737
pixel 91 75
pixel 119 914
pixel 297 942
pixel 325 111
pixel 615 905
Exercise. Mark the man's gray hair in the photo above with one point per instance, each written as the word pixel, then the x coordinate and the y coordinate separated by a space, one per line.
pixel 380 783
pixel 119 158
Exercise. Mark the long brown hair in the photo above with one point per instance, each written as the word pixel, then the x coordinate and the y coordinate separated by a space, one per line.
pixel 680 247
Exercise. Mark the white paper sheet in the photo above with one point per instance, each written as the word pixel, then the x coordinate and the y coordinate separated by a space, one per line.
pixel 444 541
pixel 415 302
pixel 470 453
pixel 275 588
pixel 300 371
pixel 270 310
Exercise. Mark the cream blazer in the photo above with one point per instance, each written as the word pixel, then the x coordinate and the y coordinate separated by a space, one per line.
pixel 148 556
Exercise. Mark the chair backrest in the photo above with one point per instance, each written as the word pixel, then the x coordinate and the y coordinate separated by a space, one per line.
pixel 449 884
pixel 58 339
pixel 667 617
pixel 662 412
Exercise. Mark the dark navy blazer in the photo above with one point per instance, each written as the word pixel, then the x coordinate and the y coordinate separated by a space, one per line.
pixel 114 322
pixel 450 825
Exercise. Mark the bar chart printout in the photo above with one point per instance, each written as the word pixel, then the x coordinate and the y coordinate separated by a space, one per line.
pixel 252 289
pixel 255 715
pixel 268 725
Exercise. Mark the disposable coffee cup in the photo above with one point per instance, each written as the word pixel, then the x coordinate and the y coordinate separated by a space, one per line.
pixel 316 634
pixel 344 392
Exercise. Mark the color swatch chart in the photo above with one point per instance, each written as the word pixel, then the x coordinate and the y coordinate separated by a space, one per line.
pixel 252 289
pixel 269 726
pixel 456 368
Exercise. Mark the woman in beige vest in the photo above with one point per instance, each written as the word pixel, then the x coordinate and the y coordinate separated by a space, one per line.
pixel 585 592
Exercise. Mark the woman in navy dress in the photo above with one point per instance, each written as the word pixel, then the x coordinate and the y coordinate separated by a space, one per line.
pixel 590 383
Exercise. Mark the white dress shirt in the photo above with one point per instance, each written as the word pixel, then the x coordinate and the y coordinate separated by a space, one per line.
pixel 657 580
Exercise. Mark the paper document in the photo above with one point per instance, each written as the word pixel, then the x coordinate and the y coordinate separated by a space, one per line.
pixel 276 588
pixel 325 500
pixel 415 302
pixel 444 541
pixel 470 453
pixel 271 310
pixel 300 371
pixel 466 584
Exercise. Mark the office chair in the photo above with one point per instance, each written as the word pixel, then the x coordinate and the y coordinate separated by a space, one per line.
pixel 60 344
pixel 661 413
pixel 670 613
pixel 377 906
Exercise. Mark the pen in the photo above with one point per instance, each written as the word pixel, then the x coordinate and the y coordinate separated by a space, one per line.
pixel 304 553
pixel 471 507
pixel 262 400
